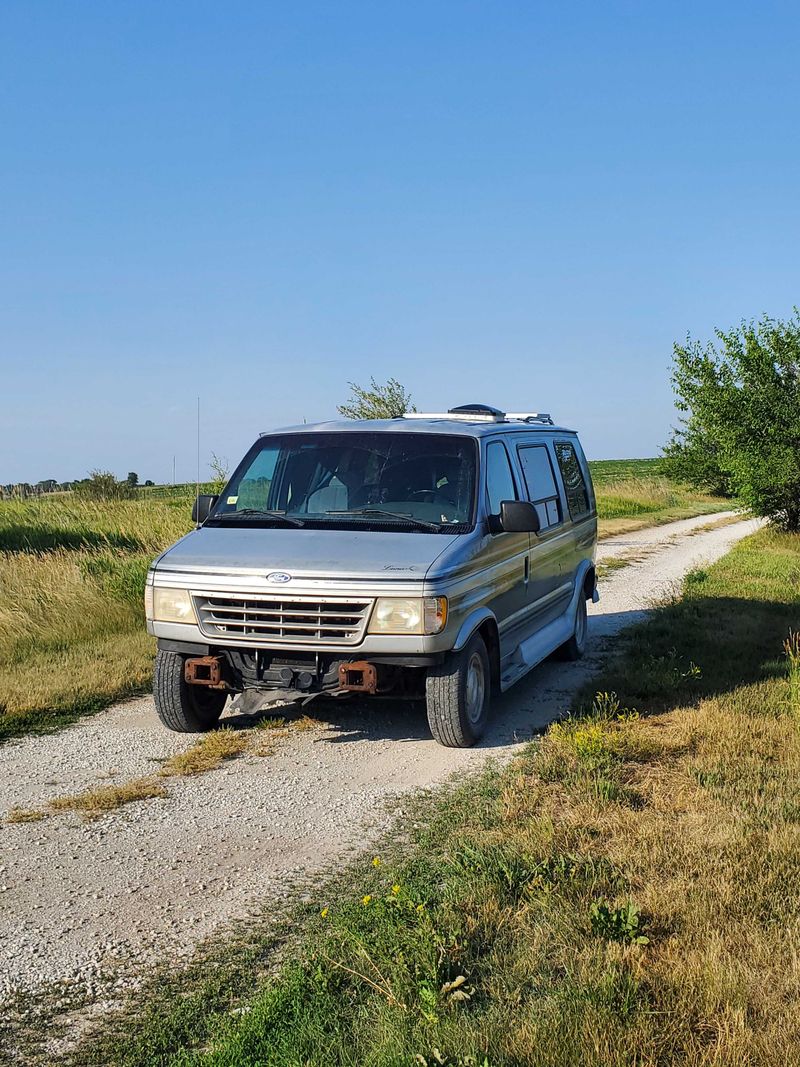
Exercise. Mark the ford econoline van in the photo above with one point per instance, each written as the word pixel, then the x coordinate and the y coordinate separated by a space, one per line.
pixel 436 557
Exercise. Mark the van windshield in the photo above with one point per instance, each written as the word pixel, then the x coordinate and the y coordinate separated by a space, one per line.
pixel 424 481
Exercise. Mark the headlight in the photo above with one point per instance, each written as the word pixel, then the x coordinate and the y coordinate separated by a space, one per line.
pixel 409 615
pixel 171 605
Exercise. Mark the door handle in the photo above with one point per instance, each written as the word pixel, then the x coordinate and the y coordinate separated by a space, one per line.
pixel 527 570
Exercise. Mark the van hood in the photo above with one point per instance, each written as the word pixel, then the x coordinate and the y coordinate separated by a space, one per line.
pixel 371 554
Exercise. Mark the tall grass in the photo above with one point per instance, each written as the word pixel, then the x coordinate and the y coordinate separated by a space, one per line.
pixel 146 524
pixel 624 504
pixel 631 490
pixel 630 497
pixel 71 622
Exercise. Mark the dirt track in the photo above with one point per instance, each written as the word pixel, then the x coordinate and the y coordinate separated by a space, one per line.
pixel 91 903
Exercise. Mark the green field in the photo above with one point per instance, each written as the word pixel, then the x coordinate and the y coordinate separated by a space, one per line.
pixel 72 571
pixel 617 470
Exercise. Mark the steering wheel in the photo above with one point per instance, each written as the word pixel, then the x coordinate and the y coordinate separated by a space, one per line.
pixel 427 495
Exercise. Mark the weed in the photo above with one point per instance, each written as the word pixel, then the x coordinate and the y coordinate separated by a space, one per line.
pixel 791 648
pixel 105 798
pixel 696 577
pixel 305 722
pixel 207 753
pixel 623 923
pixel 25 815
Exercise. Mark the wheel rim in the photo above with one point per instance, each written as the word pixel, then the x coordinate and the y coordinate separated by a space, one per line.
pixel 580 625
pixel 475 689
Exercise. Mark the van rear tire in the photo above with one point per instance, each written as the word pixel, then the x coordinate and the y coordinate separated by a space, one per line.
pixel 458 695
pixel 576 646
pixel 183 708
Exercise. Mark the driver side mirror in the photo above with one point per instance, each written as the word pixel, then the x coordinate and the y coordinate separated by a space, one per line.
pixel 202 506
pixel 519 516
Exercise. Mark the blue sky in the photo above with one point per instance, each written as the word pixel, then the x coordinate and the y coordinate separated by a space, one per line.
pixel 518 203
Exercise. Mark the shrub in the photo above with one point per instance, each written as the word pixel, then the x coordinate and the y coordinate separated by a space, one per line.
pixel 102 485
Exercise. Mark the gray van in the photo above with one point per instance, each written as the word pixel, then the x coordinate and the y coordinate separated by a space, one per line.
pixel 436 557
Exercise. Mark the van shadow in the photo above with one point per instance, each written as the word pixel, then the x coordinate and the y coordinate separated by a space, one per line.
pixel 682 651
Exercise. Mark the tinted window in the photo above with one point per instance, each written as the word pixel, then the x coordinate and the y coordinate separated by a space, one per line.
pixel 541 484
pixel 499 479
pixel 574 481
pixel 316 477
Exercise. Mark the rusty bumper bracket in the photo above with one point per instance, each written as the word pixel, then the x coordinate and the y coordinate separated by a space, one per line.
pixel 358 676
pixel 204 670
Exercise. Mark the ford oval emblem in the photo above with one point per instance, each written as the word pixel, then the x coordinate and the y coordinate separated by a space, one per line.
pixel 279 578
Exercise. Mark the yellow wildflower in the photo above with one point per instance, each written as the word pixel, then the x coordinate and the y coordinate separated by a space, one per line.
pixel 376 862
pixel 365 900
pixel 324 913
pixel 395 889
pixel 420 907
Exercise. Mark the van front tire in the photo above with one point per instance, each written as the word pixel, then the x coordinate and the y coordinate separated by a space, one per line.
pixel 186 709
pixel 458 695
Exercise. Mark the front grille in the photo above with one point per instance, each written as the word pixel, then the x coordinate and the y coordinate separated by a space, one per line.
pixel 285 620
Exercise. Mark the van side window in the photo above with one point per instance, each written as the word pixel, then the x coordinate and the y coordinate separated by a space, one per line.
pixel 541 483
pixel 499 479
pixel 574 481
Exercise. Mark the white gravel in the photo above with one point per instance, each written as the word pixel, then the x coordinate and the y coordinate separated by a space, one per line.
pixel 93 903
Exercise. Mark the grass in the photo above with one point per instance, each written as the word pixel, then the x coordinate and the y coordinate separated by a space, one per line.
pixel 623 893
pixel 72 571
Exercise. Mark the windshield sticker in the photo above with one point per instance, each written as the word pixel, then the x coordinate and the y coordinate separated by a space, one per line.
pixel 232 499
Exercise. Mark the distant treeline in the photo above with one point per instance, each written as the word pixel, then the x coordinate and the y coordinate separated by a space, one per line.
pixel 85 486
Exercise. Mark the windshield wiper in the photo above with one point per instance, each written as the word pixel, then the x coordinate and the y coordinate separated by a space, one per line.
pixel 396 515
pixel 257 513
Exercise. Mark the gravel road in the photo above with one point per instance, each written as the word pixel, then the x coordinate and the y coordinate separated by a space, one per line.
pixel 91 903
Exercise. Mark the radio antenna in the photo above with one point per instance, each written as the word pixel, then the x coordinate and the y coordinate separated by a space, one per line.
pixel 197 485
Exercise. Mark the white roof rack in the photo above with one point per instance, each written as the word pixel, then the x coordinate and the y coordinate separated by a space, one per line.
pixel 482 413
pixel 458 417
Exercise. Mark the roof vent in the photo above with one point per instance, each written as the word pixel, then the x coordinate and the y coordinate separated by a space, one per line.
pixel 478 409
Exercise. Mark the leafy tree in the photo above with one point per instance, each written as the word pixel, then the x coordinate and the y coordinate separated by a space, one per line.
pixel 692 456
pixel 742 415
pixel 149 482
pixel 378 402
pixel 102 485
pixel 132 479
